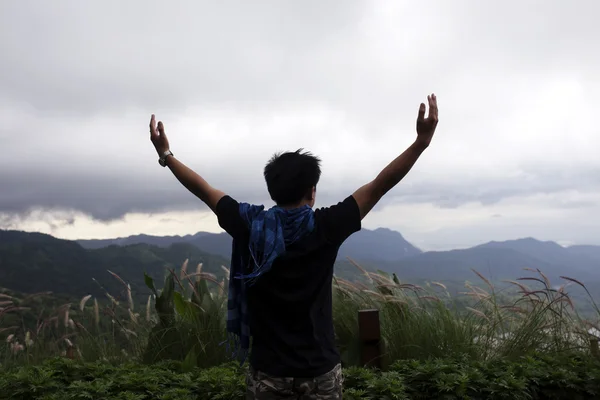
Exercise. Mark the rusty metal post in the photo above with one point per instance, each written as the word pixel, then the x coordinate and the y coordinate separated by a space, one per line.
pixel 369 331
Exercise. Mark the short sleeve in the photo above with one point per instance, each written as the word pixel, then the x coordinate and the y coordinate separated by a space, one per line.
pixel 228 215
pixel 340 221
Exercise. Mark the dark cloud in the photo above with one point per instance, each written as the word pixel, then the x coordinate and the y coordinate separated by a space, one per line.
pixel 109 197
pixel 67 65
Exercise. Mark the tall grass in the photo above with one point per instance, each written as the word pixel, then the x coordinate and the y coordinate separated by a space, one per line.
pixel 185 320
pixel 484 323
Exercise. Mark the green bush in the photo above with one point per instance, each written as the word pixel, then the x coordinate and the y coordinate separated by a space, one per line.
pixel 540 377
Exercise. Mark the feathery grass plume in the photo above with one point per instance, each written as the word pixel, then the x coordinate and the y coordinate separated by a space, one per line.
pixel 483 278
pixel 224 268
pixel 10 328
pixel 198 272
pixel 80 327
pixel 379 278
pixel 342 282
pixel 539 292
pixel 183 272
pixel 433 298
pixel 573 280
pixel 410 286
pixel 361 269
pixel 129 297
pixel 222 288
pixel 10 337
pixel 544 277
pixel 478 313
pixel 96 312
pixel 477 289
pixel 344 291
pixel 361 286
pixel 531 278
pixel 439 284
pixel 132 316
pixel 394 299
pixel 118 277
pixel 210 277
pixel 373 293
pixel 83 301
pixel 71 323
pixel 5 296
pixel 479 296
pixel 16 347
pixel 514 309
pixel 523 287
pixel 112 299
pixel 562 287
pixel 148 308
pixel 28 340
pixel 68 342
pixel 128 332
pixel 203 275
pixel 66 317
pixel 567 299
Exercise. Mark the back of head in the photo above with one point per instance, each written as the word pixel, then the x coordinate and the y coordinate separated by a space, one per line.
pixel 291 177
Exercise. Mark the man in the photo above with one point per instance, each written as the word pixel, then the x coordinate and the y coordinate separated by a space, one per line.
pixel 282 264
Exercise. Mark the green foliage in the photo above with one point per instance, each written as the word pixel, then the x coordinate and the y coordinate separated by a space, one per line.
pixel 528 378
pixel 191 324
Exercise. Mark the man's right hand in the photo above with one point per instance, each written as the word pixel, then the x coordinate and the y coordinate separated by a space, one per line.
pixel 158 136
pixel 426 126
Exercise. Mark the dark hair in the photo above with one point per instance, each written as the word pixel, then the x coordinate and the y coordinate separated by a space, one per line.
pixel 291 176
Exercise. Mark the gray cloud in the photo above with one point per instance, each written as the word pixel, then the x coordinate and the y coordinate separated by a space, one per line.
pixel 110 196
pixel 65 67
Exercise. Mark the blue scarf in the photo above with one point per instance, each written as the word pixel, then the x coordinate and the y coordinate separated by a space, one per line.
pixel 270 232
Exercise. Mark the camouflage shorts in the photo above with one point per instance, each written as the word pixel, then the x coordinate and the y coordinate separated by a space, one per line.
pixel 261 386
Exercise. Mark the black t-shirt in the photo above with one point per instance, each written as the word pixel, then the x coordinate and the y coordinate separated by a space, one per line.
pixel 290 306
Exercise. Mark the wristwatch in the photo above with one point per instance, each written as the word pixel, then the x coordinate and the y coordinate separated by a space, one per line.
pixel 163 159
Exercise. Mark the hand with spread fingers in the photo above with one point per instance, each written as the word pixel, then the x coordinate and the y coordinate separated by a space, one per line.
pixel 158 136
pixel 426 126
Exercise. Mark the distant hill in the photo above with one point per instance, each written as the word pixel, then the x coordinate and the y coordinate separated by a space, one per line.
pixel 578 259
pixel 34 262
pixel 494 263
pixel 374 245
pixel 592 252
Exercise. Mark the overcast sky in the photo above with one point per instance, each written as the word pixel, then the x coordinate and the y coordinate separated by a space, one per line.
pixel 515 153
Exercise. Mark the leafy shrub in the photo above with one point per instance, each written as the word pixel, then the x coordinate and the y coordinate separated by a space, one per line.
pixel 535 377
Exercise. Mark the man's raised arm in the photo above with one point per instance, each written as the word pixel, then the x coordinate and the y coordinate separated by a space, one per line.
pixel 188 178
pixel 368 195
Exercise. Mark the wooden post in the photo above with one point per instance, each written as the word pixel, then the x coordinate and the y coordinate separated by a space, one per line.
pixel 369 332
pixel 594 347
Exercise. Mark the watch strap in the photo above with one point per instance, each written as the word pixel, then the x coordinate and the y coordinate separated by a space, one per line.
pixel 163 159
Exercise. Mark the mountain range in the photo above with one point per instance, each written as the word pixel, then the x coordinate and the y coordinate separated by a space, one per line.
pixel 32 262
pixel 375 245
pixel 388 250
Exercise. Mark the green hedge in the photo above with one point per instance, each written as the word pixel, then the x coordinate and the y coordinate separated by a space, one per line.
pixel 529 378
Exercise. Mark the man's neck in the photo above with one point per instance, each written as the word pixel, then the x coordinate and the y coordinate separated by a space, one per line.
pixel 297 205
